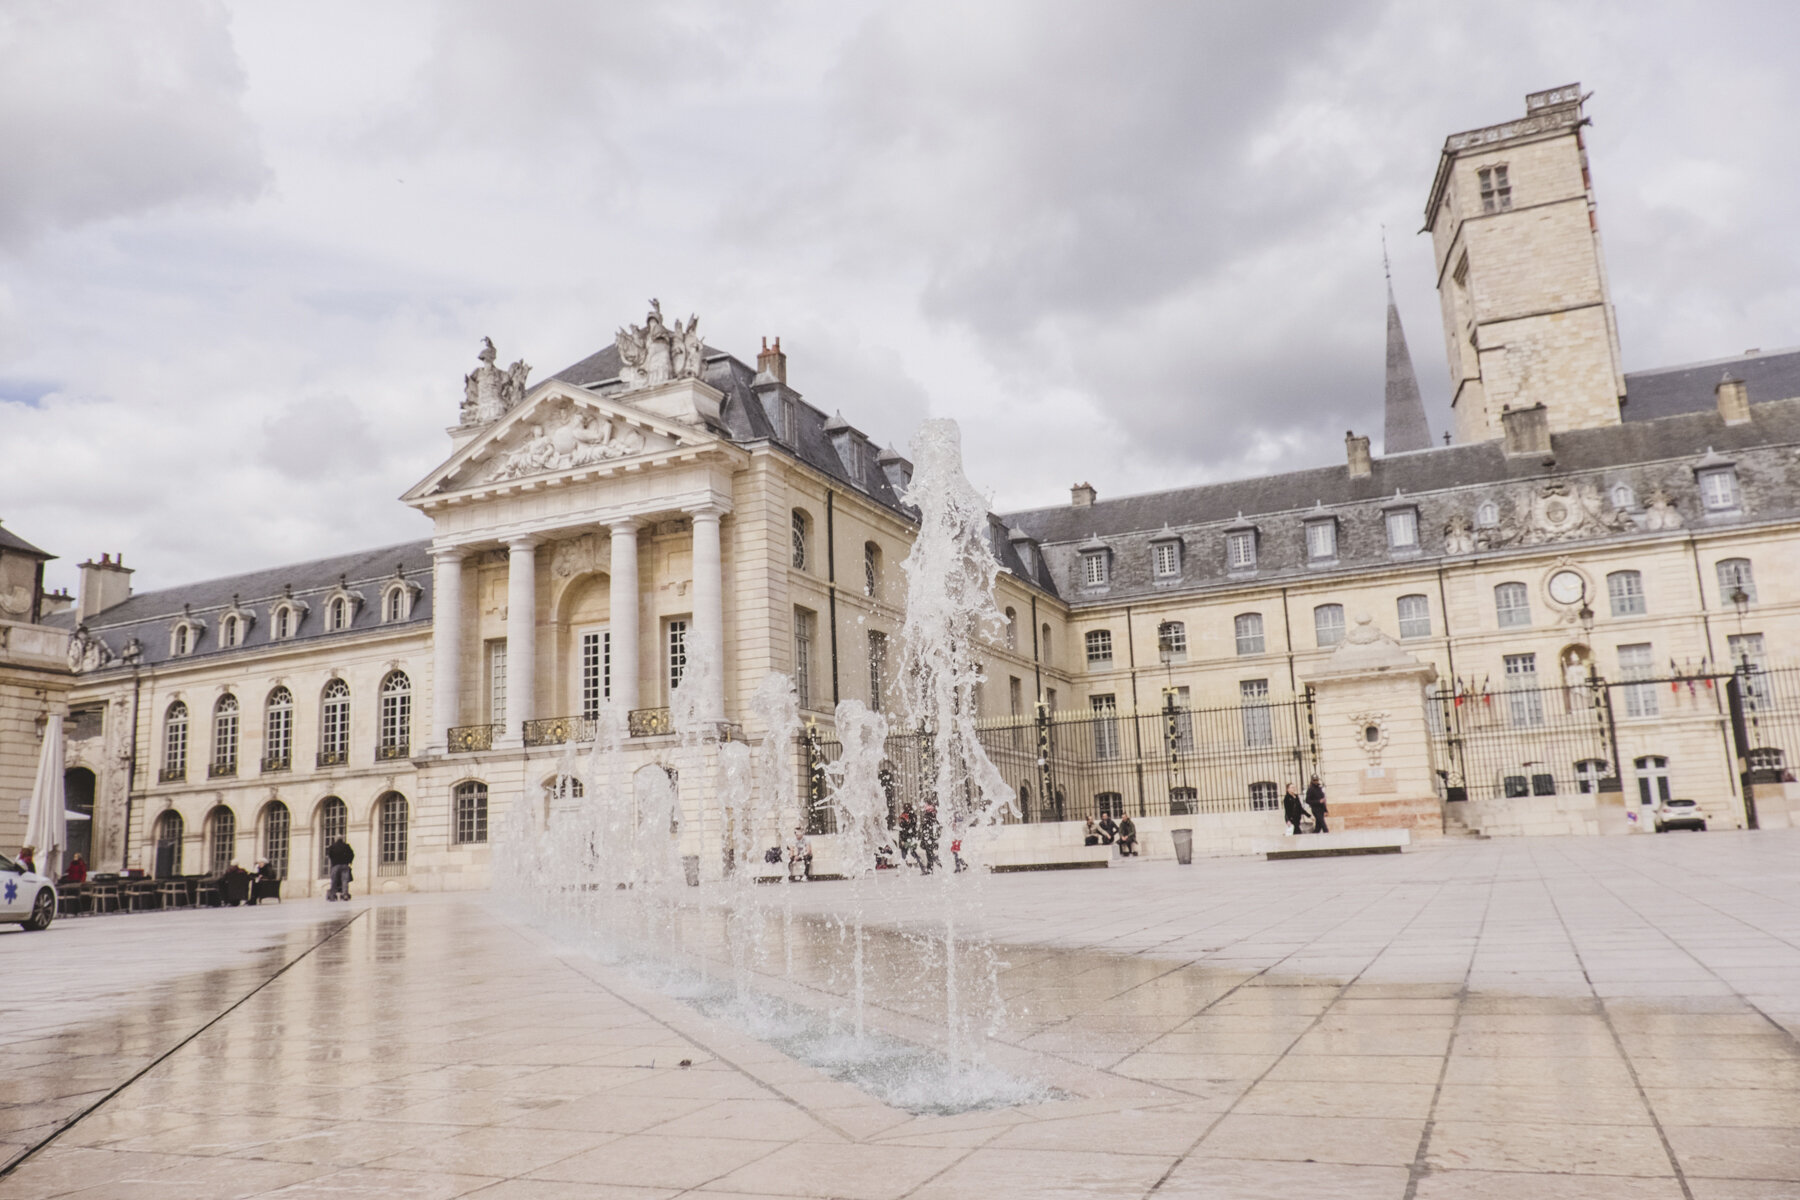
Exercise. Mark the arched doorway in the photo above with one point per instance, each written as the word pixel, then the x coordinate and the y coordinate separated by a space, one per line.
pixel 78 796
pixel 170 829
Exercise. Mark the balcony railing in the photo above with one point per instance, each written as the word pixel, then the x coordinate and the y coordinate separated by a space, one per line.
pixel 277 762
pixel 333 758
pixel 555 731
pixel 649 722
pixel 393 750
pixel 172 774
pixel 464 738
pixel 221 770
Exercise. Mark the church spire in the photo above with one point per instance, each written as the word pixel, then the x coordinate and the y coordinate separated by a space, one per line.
pixel 1405 428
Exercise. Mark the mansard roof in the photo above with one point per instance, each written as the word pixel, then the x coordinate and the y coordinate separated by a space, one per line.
pixel 1689 387
pixel 149 615
pixel 1445 483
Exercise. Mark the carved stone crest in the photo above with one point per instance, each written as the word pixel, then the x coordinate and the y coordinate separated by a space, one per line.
pixel 566 440
pixel 1558 512
pixel 488 392
pixel 654 353
pixel 1459 535
pixel 87 652
pixel 1660 512
pixel 577 556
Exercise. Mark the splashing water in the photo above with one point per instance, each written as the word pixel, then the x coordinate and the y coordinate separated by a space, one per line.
pixel 861 801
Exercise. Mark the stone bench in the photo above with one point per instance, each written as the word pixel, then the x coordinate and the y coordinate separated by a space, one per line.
pixel 1049 857
pixel 1327 845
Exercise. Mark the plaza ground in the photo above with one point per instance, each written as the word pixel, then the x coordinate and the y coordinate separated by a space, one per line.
pixel 1607 1018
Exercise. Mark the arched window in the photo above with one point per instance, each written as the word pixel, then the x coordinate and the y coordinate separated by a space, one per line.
pixel 225 737
pixel 871 569
pixel 228 631
pixel 1328 624
pixel 175 742
pixel 277 827
pixel 170 829
pixel 1626 590
pixel 221 839
pixel 1415 616
pixel 1512 605
pixel 334 724
pixel 334 823
pixel 1012 629
pixel 801 528
pixel 1265 795
pixel 285 621
pixel 391 813
pixel 1736 576
pixel 471 812
pixel 337 614
pixel 1249 630
pixel 1171 641
pixel 184 638
pixel 396 716
pixel 395 603
pixel 278 731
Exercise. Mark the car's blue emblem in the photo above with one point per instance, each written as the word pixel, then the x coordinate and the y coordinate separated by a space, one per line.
pixel 12 891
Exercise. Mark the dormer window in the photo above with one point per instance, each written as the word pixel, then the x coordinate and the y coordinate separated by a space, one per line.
pixel 184 636
pixel 1321 540
pixel 235 624
pixel 1165 559
pixel 1403 529
pixel 341 605
pixel 230 631
pixel 1240 550
pixel 1719 489
pixel 1093 568
pixel 285 618
pixel 397 598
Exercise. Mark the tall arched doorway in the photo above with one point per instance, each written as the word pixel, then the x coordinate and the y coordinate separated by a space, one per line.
pixel 78 797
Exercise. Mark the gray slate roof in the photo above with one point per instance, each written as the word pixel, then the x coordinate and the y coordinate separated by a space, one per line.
pixel 12 541
pixel 1666 391
pixel 1405 427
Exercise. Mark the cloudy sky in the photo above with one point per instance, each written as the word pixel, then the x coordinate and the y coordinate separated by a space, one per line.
pixel 247 252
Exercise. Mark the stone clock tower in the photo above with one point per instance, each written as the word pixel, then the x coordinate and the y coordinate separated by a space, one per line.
pixel 1528 318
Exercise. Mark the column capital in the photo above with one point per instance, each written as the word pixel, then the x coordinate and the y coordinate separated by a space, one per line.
pixel 706 512
pixel 449 554
pixel 524 541
pixel 625 525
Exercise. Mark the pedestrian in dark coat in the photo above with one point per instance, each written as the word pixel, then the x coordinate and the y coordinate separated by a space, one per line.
pixel 1315 800
pixel 1291 811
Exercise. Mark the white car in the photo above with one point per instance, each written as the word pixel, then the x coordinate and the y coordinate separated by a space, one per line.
pixel 26 897
pixel 1679 814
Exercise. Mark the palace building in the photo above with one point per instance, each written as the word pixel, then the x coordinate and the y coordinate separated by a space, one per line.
pixel 1575 609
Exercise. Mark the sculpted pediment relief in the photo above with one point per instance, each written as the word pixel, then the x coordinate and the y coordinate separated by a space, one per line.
pixel 1554 512
pixel 557 432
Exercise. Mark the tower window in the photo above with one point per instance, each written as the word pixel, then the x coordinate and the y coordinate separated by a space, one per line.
pixel 1496 189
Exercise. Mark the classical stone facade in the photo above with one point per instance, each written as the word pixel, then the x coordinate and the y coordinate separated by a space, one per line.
pixel 1179 656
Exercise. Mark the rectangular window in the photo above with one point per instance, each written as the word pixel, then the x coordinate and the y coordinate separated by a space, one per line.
pixel 1328 625
pixel 1496 189
pixel 1321 540
pixel 225 741
pixel 878 670
pixel 1736 576
pixel 803 656
pixel 596 671
pixel 1524 702
pixel 1635 662
pixel 1249 629
pixel 676 641
pixel 871 568
pixel 1403 529
pixel 278 739
pixel 1259 726
pixel 1167 559
pixel 1171 641
pixel 1415 616
pixel 1240 550
pixel 1106 726
pixel 1512 605
pixel 1093 568
pixel 1099 647
pixel 497 682
pixel 1718 489
pixel 1626 590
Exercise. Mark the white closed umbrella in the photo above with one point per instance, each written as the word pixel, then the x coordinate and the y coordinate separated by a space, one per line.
pixel 46 827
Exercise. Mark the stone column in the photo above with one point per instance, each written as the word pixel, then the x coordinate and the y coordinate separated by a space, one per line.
pixel 1374 742
pixel 708 632
pixel 622 599
pixel 446 643
pixel 521 634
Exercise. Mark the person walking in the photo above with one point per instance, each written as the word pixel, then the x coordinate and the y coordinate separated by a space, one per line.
pixel 1315 800
pixel 1291 811
pixel 340 856
pixel 929 833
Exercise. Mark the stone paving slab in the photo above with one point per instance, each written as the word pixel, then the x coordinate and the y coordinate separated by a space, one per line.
pixel 1553 1018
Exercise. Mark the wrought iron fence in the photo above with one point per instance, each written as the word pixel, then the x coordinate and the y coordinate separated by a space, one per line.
pixel 277 762
pixel 465 738
pixel 649 722
pixel 1526 741
pixel 554 731
pixel 393 750
pixel 1167 762
pixel 1769 709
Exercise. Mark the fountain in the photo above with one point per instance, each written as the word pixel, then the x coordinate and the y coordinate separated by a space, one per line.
pixel 615 863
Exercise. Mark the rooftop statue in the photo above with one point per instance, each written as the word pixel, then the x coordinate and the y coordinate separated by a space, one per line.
pixel 653 353
pixel 488 392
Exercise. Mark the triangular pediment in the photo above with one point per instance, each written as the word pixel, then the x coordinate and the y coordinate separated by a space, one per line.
pixel 558 429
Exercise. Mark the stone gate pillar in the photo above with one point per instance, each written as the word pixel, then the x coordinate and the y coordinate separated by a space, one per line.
pixel 1374 750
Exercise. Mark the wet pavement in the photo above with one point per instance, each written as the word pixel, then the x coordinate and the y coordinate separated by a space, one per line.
pixel 1546 1018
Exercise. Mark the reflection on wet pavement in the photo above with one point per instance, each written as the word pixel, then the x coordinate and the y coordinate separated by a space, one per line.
pixel 1554 1019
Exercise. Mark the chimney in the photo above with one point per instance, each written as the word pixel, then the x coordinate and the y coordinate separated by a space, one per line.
pixel 1527 430
pixel 1356 449
pixel 1734 400
pixel 57 602
pixel 103 584
pixel 772 362
pixel 1081 496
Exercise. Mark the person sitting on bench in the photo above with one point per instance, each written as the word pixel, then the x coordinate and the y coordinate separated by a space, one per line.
pixel 1128 837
